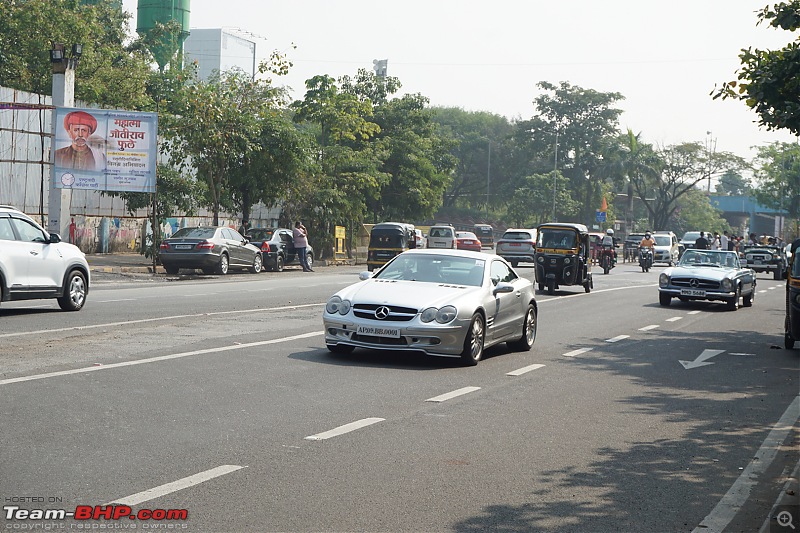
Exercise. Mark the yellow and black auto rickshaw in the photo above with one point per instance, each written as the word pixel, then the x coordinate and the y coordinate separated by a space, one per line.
pixel 792 328
pixel 387 240
pixel 563 256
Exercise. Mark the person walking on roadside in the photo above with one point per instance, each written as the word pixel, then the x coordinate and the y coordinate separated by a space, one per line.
pixel 701 243
pixel 724 242
pixel 300 241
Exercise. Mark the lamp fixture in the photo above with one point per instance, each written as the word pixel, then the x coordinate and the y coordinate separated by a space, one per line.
pixel 57 53
pixel 77 51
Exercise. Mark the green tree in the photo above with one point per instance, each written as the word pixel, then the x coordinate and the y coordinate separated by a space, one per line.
pixel 732 183
pixel 109 73
pixel 581 121
pixel 695 212
pixel 777 177
pixel 768 79
pixel 532 202
pixel 219 128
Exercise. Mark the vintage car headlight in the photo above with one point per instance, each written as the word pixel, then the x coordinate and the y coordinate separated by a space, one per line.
pixel 540 259
pixel 797 299
pixel 727 285
pixel 663 280
pixel 337 305
pixel 567 260
pixel 442 316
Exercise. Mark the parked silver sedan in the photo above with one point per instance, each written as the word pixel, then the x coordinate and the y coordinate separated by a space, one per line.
pixel 452 303
pixel 708 275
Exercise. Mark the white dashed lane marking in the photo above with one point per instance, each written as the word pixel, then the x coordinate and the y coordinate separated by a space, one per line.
pixel 450 395
pixel 573 353
pixel 175 486
pixel 524 370
pixel 618 338
pixel 347 428
pixel 675 319
pixel 694 312
pixel 648 328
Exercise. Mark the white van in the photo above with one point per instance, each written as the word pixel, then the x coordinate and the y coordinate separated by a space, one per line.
pixel 441 237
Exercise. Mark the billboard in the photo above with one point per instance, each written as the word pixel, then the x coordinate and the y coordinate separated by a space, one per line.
pixel 105 150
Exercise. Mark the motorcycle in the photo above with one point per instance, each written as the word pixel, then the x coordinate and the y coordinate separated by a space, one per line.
pixel 645 258
pixel 607 261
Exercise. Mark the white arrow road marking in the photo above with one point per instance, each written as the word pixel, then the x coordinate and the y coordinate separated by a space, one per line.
pixel 175 486
pixel 675 319
pixel 701 359
pixel 524 369
pixel 618 338
pixel 449 395
pixel 573 353
pixel 648 328
pixel 347 428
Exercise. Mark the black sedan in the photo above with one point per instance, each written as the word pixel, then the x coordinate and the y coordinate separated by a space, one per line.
pixel 214 250
pixel 277 247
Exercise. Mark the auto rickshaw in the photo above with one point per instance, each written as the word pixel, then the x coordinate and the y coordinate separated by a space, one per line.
pixel 563 256
pixel 792 327
pixel 387 240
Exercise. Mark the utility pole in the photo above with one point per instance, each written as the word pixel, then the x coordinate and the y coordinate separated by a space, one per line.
pixel 555 173
pixel 59 200
pixel 488 172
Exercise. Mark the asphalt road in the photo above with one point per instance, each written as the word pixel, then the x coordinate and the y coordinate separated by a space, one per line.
pixel 217 395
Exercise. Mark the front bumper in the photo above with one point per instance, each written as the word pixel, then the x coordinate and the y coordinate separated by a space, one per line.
pixel 764 267
pixel 524 257
pixel 438 339
pixel 711 295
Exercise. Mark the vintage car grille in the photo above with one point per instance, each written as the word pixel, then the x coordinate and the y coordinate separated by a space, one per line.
pixel 380 340
pixel 396 313
pixel 766 258
pixel 701 283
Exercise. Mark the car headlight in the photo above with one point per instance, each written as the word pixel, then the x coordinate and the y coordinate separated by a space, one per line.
pixel 540 259
pixel 333 304
pixel 344 307
pixel 663 280
pixel 797 299
pixel 428 315
pixel 446 314
pixel 442 316
pixel 727 285
pixel 567 260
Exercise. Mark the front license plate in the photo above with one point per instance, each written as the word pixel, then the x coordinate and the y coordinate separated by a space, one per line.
pixel 183 246
pixel 693 292
pixel 377 331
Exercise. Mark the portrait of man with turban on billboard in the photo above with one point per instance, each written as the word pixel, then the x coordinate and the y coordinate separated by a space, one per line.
pixel 80 155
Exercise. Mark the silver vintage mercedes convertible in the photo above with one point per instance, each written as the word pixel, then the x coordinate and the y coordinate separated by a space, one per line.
pixel 708 275
pixel 452 303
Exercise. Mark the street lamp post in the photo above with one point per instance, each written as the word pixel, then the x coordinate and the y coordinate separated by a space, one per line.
pixel 488 173
pixel 555 173
pixel 59 200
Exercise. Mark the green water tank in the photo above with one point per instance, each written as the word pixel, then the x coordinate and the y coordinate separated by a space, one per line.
pixel 151 12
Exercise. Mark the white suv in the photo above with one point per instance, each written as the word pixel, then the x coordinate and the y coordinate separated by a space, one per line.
pixel 35 264
pixel 442 236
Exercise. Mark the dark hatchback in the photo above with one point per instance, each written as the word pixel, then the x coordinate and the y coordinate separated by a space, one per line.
pixel 277 247
pixel 214 250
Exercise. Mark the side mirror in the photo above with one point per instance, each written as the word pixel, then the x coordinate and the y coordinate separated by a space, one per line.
pixel 54 238
pixel 503 287
pixel 365 275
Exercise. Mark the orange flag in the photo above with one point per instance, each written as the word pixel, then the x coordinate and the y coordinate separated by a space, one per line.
pixel 604 205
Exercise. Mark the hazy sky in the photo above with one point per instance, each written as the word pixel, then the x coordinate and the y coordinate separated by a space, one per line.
pixel 664 57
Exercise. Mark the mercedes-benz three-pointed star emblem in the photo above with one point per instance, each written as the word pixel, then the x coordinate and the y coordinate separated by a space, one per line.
pixel 382 312
pixel 694 283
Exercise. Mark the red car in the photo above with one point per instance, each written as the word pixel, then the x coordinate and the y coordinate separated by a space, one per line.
pixel 466 240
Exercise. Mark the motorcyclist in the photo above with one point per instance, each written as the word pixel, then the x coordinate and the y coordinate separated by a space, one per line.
pixel 608 242
pixel 648 242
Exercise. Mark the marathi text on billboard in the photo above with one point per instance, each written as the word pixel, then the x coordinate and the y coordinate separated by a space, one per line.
pixel 105 150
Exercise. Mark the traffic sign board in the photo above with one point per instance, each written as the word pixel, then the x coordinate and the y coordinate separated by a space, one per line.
pixel 600 216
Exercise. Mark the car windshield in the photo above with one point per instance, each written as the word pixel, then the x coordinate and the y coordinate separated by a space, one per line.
pixel 260 234
pixel 435 269
pixel 663 240
pixel 558 239
pixel 796 267
pixel 710 258
pixel 691 236
pixel 194 233
pixel 381 239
